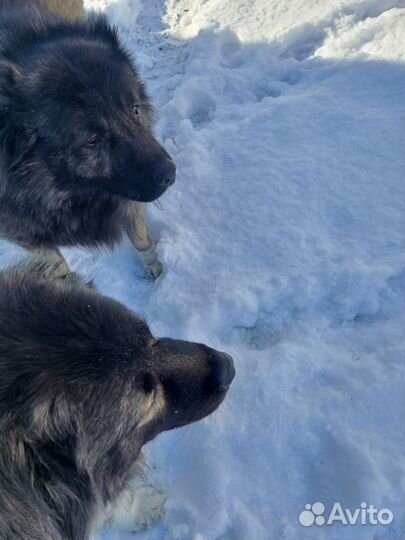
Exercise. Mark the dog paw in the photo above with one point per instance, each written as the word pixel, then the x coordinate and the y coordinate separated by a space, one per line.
pixel 138 509
pixel 150 507
pixel 154 269
pixel 151 264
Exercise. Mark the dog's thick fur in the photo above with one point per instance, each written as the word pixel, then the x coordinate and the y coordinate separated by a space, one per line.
pixel 77 152
pixel 83 385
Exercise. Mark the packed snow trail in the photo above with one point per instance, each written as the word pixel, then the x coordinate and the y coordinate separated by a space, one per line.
pixel 283 244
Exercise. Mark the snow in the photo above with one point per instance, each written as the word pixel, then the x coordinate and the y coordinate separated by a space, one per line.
pixel 283 244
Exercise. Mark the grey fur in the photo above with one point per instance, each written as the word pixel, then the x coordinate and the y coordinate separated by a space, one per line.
pixel 83 386
pixel 77 152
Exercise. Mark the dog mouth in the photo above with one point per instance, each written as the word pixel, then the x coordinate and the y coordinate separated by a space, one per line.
pixel 194 390
pixel 216 389
pixel 105 186
pixel 185 418
pixel 152 182
pixel 210 407
pixel 147 196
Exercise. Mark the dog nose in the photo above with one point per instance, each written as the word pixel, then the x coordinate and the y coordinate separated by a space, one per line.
pixel 164 173
pixel 223 371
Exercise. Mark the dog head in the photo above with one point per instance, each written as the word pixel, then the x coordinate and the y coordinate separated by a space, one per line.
pixel 83 374
pixel 79 104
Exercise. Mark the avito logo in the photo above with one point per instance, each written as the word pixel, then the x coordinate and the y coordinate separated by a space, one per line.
pixel 314 514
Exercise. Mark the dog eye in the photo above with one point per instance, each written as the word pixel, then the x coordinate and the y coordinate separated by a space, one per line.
pixel 136 110
pixel 93 142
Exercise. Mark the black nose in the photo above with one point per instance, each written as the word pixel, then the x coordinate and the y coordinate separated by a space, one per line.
pixel 223 370
pixel 164 173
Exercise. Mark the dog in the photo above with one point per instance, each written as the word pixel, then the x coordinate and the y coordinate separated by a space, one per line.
pixel 83 386
pixel 78 157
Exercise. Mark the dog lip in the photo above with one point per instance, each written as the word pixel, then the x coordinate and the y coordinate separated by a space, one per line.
pixel 135 196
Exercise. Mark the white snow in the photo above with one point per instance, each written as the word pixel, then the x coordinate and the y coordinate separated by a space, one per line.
pixel 283 244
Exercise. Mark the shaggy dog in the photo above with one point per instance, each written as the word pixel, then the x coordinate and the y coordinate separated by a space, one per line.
pixel 83 386
pixel 77 152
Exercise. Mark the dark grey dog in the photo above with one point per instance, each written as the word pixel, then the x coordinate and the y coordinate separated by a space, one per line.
pixel 83 385
pixel 77 152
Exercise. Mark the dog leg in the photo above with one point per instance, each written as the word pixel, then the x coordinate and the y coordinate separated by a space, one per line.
pixel 137 508
pixel 53 256
pixel 137 231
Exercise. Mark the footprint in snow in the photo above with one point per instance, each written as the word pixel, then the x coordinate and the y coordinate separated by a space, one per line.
pixel 231 51
pixel 202 109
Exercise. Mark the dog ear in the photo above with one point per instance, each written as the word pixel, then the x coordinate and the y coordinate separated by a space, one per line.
pixel 9 77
